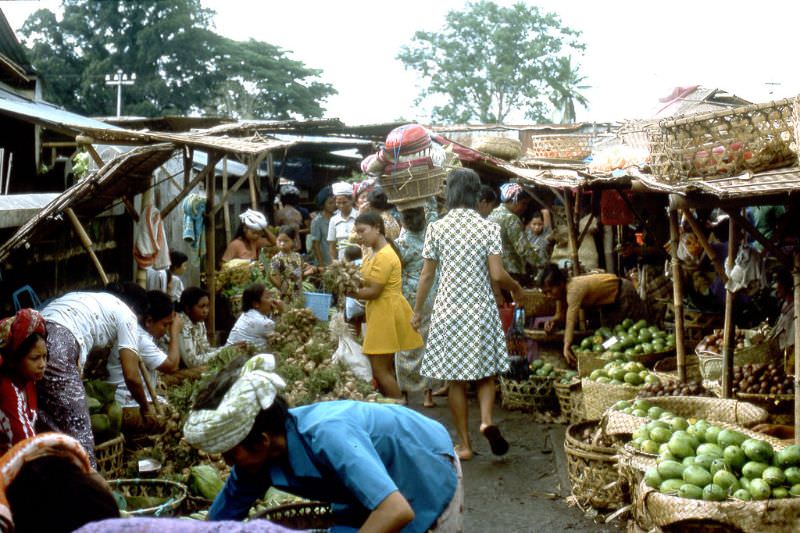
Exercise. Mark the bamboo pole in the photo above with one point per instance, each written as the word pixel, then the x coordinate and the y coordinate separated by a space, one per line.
pixel 796 280
pixel 758 236
pixel 572 233
pixel 677 294
pixel 251 173
pixel 226 209
pixel 232 189
pixel 188 158
pixel 585 229
pixel 211 230
pixel 209 168
pixel 729 335
pixel 712 255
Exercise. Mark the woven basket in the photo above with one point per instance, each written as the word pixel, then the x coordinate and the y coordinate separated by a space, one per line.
pixel 535 394
pixel 667 369
pixel 501 147
pixel 597 397
pixel 590 361
pixel 631 466
pixel 536 303
pixel 711 362
pixel 780 407
pixel 172 492
pixel 568 403
pixel 593 471
pixel 412 183
pixel 575 147
pixel 672 513
pixel 301 516
pixel 725 143
pixel 109 456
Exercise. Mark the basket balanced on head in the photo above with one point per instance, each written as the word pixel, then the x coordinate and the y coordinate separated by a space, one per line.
pixel 409 184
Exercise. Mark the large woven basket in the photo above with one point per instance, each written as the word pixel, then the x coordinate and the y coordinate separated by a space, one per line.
pixel 109 455
pixel 667 369
pixel 501 147
pixel 410 183
pixel 536 303
pixel 592 471
pixel 631 466
pixel 597 397
pixel 574 147
pixel 569 402
pixel 725 143
pixel 302 516
pixel 780 407
pixel 711 362
pixel 171 492
pixel 535 394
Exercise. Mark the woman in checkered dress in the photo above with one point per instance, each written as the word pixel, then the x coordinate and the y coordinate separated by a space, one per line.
pixel 465 341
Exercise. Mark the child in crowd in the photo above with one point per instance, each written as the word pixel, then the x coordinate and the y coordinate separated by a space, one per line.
pixel 539 236
pixel 179 262
pixel 287 268
pixel 22 364
pixel 193 311
pixel 353 309
pixel 255 323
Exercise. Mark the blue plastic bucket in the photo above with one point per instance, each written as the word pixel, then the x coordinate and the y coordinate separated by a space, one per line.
pixel 319 303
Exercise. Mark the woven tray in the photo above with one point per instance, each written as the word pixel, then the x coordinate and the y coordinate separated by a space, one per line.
pixel 173 492
pixel 593 471
pixel 536 303
pixel 724 143
pixel 535 394
pixel 575 147
pixel 109 455
pixel 411 182
pixel 597 397
pixel 302 516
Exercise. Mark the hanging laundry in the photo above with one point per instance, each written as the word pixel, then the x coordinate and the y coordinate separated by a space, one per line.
pixel 194 210
pixel 150 242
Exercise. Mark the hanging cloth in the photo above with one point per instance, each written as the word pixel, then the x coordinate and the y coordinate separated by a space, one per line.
pixel 194 210
pixel 150 243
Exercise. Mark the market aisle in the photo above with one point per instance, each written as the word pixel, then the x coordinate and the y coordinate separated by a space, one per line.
pixel 522 491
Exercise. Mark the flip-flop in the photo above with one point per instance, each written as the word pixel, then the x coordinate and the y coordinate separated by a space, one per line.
pixel 498 444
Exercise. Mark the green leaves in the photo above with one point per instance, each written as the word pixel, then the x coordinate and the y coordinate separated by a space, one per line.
pixel 489 60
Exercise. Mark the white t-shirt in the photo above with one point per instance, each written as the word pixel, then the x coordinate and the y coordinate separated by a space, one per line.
pixel 152 356
pixel 252 327
pixel 96 319
pixel 339 229
pixel 176 288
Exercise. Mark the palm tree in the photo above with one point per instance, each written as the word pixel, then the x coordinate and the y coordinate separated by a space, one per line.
pixel 565 86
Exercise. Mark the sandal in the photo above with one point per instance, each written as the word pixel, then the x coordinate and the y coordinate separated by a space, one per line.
pixel 498 444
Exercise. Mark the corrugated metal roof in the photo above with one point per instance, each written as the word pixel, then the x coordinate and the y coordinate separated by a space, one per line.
pixel 48 115
pixel 11 48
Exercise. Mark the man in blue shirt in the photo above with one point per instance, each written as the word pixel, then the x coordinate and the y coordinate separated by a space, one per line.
pixel 382 467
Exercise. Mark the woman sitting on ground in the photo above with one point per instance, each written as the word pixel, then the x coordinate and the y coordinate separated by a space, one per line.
pixel 193 311
pixel 255 323
pixel 23 361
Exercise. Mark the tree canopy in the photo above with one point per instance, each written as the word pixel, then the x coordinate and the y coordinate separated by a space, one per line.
pixel 489 60
pixel 181 66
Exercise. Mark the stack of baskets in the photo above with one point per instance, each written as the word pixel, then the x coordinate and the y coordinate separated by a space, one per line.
pixel 536 394
pixel 725 143
pixel 570 401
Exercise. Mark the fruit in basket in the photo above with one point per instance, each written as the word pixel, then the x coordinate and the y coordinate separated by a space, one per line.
pixel 789 457
pixel 674 388
pixel 762 379
pixel 618 373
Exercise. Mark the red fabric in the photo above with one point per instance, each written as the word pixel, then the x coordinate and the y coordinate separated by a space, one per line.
pixel 613 209
pixel 407 139
pixel 14 330
pixel 17 414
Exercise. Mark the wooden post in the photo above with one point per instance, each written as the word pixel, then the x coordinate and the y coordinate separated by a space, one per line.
pixel 211 252
pixel 796 280
pixel 188 158
pixel 172 204
pixel 272 182
pixel 572 233
pixel 729 335
pixel 608 249
pixel 87 243
pixel 226 209
pixel 712 255
pixel 251 172
pixel 677 294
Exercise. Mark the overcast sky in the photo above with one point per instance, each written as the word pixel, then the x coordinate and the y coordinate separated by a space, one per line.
pixel 636 51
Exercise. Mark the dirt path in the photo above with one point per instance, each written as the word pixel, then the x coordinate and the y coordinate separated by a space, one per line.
pixel 523 491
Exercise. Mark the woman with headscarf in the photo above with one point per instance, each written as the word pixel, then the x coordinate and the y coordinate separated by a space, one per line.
pixel 319 226
pixel 342 221
pixel 24 358
pixel 465 342
pixel 252 235
pixel 517 249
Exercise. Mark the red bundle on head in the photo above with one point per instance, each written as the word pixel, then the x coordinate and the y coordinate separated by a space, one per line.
pixel 407 139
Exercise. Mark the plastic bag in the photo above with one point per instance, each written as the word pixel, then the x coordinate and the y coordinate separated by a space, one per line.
pixel 349 351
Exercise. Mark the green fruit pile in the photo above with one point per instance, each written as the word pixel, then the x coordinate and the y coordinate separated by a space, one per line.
pixel 642 409
pixel 704 461
pixel 541 369
pixel 567 376
pixel 104 411
pixel 624 373
pixel 631 340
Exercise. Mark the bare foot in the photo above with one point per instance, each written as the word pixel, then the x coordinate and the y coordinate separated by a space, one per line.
pixel 428 399
pixel 464 454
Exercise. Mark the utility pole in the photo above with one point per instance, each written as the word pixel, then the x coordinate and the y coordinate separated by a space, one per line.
pixel 119 79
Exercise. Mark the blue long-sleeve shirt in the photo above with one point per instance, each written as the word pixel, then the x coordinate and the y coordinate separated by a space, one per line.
pixel 354 455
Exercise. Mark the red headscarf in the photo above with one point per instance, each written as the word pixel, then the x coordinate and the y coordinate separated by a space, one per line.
pixel 14 330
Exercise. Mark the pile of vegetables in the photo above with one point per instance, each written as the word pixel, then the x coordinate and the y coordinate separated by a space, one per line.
pixel 627 340
pixel 762 379
pixel 674 388
pixel 520 370
pixel 237 274
pixel 105 412
pixel 619 373
pixel 567 376
pixel 704 461
pixel 341 278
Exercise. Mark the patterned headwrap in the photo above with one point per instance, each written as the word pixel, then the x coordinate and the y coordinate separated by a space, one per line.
pixel 28 450
pixel 509 192
pixel 364 186
pixel 254 220
pixel 221 429
pixel 14 330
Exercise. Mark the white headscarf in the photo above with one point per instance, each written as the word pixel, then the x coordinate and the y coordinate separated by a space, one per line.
pixel 254 220
pixel 221 429
pixel 342 188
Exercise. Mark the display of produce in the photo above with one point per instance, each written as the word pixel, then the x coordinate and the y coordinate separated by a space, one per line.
pixel 205 481
pixel 628 340
pixel 567 376
pixel 341 278
pixel 762 379
pixel 675 388
pixel 713 463
pixel 104 411
pixel 714 341
pixel 627 373
pixel 642 409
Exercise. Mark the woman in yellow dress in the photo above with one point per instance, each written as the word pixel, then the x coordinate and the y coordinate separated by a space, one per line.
pixel 388 313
